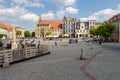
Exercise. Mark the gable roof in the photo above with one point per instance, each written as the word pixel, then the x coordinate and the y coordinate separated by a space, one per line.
pixel 55 24
pixel 6 27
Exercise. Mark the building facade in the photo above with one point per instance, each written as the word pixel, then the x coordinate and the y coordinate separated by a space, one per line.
pixel 53 26
pixel 116 20
pixel 97 24
pixel 56 32
pixel 90 24
pixel 6 29
pixel 41 30
pixel 81 30
pixel 22 30
pixel 69 26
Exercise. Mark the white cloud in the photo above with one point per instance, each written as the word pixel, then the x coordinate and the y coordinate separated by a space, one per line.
pixel 49 15
pixel 66 11
pixel 71 10
pixel 1 0
pixel 61 14
pixel 16 13
pixel 62 3
pixel 11 13
pixel 36 0
pixel 83 19
pixel 29 17
pixel 28 3
pixel 19 16
pixel 103 14
pixel 70 2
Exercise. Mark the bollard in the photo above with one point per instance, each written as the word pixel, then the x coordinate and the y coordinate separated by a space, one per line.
pixel 5 61
pixel 82 55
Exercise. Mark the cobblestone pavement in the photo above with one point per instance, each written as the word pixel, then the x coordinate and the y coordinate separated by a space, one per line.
pixel 106 65
pixel 63 64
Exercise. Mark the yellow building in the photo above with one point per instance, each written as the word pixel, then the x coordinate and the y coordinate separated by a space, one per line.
pixel 43 26
pixel 41 30
pixel 22 32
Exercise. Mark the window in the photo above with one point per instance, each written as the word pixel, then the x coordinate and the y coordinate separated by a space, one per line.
pixel 65 30
pixel 119 27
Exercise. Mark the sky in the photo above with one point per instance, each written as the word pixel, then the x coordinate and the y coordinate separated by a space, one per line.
pixel 25 13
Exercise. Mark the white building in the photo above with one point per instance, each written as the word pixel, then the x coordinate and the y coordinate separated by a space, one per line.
pixel 81 30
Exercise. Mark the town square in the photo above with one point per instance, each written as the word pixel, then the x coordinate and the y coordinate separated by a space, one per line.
pixel 59 40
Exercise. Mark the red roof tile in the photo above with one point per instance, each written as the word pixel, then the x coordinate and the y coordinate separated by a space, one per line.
pixel 7 27
pixel 55 24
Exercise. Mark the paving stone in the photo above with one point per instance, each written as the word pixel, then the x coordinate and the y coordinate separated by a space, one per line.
pixel 64 64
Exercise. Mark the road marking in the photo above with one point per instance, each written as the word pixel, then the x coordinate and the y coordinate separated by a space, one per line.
pixel 83 67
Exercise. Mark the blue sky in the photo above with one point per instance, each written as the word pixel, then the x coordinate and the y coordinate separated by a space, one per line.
pixel 25 13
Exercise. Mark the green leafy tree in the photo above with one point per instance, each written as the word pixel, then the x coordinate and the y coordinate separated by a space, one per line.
pixel 94 31
pixel 1 35
pixel 106 29
pixel 48 33
pixel 60 35
pixel 18 32
pixel 27 34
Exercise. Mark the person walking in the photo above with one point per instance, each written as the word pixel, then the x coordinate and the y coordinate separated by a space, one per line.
pixel 38 46
pixel 55 43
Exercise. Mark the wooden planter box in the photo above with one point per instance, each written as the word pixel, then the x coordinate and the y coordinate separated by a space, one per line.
pixel 10 57
pixel 30 52
pixel 44 49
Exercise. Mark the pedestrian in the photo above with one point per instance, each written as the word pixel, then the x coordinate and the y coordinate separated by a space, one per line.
pixel 55 43
pixel 38 46
pixel 100 42
pixel 60 39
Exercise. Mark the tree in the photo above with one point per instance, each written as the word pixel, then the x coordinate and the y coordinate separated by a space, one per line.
pixel 94 31
pixel 27 34
pixel 48 33
pixel 18 32
pixel 106 29
pixel 1 35
pixel 61 34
